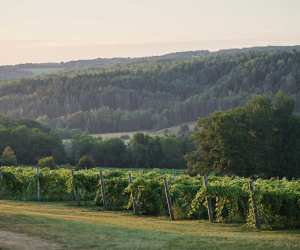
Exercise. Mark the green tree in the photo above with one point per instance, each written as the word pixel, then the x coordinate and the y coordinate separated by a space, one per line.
pixel 115 153
pixel 47 162
pixel 82 145
pixel 30 141
pixel 146 151
pixel 9 157
pixel 86 161
pixel 261 138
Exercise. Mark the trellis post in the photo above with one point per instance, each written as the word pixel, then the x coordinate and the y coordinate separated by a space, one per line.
pixel 168 198
pixel 75 193
pixel 134 206
pixel 38 183
pixel 254 205
pixel 208 200
pixel 101 181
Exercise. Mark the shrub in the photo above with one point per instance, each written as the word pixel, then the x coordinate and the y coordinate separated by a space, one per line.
pixel 86 161
pixel 47 162
pixel 8 157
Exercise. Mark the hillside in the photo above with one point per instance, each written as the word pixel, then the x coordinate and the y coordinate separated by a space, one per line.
pixel 29 70
pixel 155 93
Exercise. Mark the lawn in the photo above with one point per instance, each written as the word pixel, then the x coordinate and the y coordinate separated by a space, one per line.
pixel 71 227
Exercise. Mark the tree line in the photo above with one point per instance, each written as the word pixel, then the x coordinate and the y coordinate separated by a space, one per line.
pixel 29 143
pixel 141 151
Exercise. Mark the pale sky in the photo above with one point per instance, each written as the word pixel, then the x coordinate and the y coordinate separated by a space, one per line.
pixel 61 30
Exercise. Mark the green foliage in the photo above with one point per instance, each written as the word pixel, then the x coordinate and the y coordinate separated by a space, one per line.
pixel 85 183
pixel 86 161
pixel 261 138
pixel 183 191
pixel 153 93
pixel 30 140
pixel 47 162
pixel 278 201
pixel 145 150
pixel 148 192
pixel 142 151
pixel 9 157
pixel 229 200
pixel 115 184
pixel 56 185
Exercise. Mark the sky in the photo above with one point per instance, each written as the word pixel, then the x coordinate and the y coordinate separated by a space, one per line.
pixel 62 30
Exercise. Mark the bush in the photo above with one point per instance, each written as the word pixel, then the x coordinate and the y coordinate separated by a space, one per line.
pixel 86 161
pixel 8 157
pixel 47 162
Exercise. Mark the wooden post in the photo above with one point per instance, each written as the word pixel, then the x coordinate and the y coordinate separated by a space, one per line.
pixel 132 195
pixel 208 201
pixel 168 198
pixel 75 193
pixel 101 180
pixel 38 183
pixel 254 205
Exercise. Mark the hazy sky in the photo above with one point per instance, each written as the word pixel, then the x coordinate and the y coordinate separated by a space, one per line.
pixel 59 30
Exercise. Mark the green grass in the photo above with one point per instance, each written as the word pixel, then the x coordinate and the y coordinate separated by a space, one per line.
pixel 86 228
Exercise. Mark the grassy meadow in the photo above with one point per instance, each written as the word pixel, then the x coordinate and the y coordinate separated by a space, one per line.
pixel 71 227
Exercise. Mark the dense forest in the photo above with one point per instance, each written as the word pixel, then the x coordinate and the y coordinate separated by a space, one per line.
pixel 153 94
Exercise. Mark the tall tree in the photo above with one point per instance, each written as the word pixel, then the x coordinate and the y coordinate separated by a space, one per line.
pixel 261 138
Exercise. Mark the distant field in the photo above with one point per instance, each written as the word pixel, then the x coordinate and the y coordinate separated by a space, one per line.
pixel 171 130
pixel 31 225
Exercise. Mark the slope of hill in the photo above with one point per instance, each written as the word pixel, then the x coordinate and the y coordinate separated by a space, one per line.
pixel 155 93
pixel 10 72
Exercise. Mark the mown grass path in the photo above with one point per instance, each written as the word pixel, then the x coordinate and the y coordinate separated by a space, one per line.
pixel 71 227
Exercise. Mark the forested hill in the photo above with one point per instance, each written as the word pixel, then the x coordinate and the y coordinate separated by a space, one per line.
pixel 153 94
pixel 29 70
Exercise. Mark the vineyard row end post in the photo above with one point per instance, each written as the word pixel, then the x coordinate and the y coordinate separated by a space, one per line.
pixel 132 195
pixel 101 180
pixel 208 201
pixel 75 193
pixel 168 198
pixel 38 187
pixel 254 205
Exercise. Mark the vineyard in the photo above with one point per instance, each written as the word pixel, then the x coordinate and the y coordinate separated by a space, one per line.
pixel 276 203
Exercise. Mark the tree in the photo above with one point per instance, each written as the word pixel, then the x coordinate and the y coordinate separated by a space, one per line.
pixel 30 141
pixel 146 151
pixel 83 145
pixel 86 161
pixel 47 162
pixel 261 138
pixel 115 153
pixel 9 157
